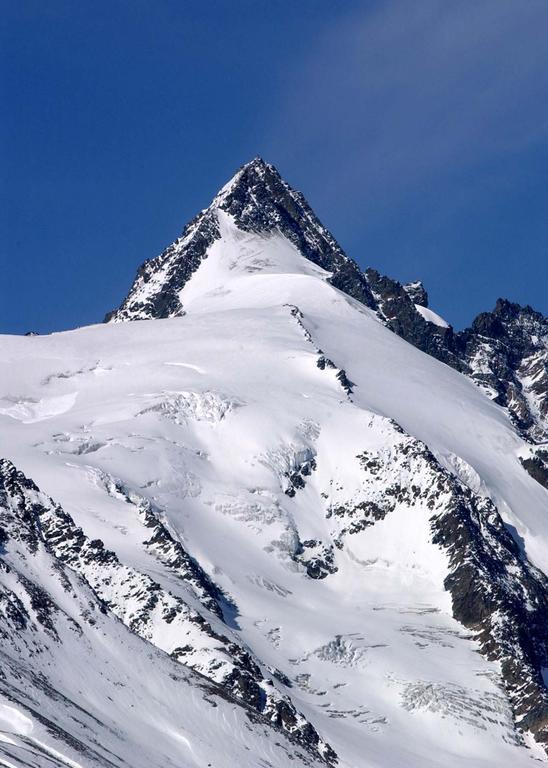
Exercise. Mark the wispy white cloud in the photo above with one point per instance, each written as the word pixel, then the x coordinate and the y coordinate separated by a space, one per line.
pixel 407 90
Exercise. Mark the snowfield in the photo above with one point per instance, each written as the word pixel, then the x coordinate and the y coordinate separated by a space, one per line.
pixel 263 429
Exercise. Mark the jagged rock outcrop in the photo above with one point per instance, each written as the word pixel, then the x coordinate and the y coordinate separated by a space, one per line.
pixel 496 592
pixel 417 293
pixel 52 624
pixel 396 305
pixel 537 465
pixel 506 352
pixel 168 549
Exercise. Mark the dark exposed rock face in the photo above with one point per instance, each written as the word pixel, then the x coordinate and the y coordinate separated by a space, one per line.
pixel 297 478
pixel 318 559
pixel 500 595
pixel 496 592
pixel 345 382
pixel 154 293
pixel 396 306
pixel 168 549
pixel 15 490
pixel 417 293
pixel 537 466
pixel 20 507
pixel 506 351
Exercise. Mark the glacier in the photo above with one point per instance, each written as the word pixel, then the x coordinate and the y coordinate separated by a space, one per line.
pixel 244 522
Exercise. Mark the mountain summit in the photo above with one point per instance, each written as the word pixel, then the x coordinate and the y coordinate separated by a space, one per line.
pixel 257 200
pixel 505 352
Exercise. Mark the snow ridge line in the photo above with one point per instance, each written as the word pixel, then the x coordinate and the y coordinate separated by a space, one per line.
pixel 322 362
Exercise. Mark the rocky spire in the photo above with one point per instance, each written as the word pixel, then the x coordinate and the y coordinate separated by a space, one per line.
pixel 259 201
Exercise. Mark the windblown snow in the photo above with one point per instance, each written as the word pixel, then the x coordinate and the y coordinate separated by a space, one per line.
pixel 431 317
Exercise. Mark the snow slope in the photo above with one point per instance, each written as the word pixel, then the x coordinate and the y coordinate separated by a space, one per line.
pixel 291 444
pixel 78 689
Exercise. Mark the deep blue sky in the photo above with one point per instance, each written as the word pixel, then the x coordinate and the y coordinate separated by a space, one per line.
pixel 417 130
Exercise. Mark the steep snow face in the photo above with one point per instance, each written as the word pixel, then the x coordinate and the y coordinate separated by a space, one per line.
pixel 233 263
pixel 78 689
pixel 321 519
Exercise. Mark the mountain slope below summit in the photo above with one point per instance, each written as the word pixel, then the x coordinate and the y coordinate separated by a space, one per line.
pixel 261 426
pixel 505 352
pixel 78 689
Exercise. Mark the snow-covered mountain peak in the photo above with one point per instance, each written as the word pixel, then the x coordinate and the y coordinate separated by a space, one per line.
pixel 269 522
pixel 258 201
pixel 257 224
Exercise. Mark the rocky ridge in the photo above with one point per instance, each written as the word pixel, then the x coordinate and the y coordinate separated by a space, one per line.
pixel 259 201
pixel 496 593
pixel 157 616
pixel 504 351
